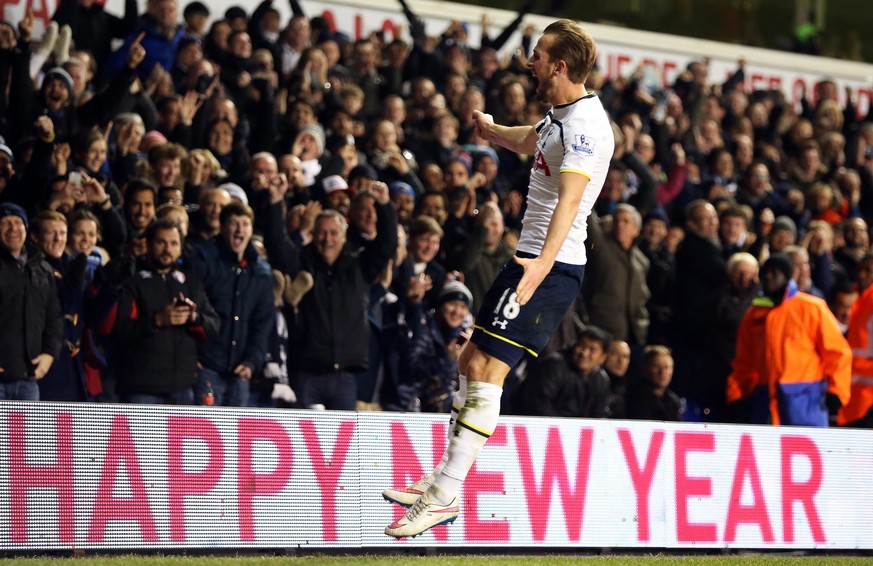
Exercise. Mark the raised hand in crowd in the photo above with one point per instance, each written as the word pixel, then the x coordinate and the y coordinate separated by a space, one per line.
pixel 379 190
pixel 44 128
pixel 7 37
pixel 301 218
pixel 136 54
pixel 94 192
pixel 419 285
pixel 125 137
pixel 25 26
pixel 278 187
pixel 60 158
pixel 191 103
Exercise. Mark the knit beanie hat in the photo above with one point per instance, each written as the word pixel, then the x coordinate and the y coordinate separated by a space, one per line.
pixel 60 74
pixel 12 209
pixel 456 291
pixel 779 262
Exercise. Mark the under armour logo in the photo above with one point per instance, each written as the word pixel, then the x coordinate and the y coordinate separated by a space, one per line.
pixel 501 323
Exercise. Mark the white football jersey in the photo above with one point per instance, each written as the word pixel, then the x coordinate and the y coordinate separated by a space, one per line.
pixel 573 138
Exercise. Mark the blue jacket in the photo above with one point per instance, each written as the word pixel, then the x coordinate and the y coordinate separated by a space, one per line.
pixel 159 48
pixel 428 375
pixel 242 295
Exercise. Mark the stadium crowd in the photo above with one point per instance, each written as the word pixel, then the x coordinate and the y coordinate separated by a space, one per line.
pixel 253 214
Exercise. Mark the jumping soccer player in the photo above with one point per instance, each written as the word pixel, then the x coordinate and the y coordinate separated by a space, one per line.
pixel 572 147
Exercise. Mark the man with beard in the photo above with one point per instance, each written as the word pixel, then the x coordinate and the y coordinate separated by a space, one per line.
pixel 572 147
pixel 139 209
pixel 162 314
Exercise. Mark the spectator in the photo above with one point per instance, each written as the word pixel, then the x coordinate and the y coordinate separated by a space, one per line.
pixel 65 380
pixel 615 291
pixel 731 303
pixel 616 366
pixel 795 381
pixel 570 383
pixel 239 286
pixel 330 337
pixel 802 271
pixel 486 251
pixel 162 314
pixel 856 236
pixel 661 274
pixel 841 300
pixel 30 315
pixel 649 398
pixel 158 32
pixel 429 362
pixel 700 273
pixel 733 230
pixel 139 209
pixel 425 236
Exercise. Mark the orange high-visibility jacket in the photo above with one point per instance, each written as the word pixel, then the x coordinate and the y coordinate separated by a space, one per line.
pixel 860 337
pixel 790 353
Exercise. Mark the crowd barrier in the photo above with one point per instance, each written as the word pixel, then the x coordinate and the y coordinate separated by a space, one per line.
pixel 103 476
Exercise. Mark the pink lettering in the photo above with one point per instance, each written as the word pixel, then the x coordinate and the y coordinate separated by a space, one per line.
pixel 495 529
pixel 554 472
pixel 181 483
pixel 328 471
pixel 24 476
pixel 641 477
pixel 756 513
pixel 692 486
pixel 250 483
pixel 121 450
pixel 800 491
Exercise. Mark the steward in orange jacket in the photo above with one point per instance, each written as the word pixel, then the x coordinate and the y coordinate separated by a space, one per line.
pixel 792 363
pixel 861 340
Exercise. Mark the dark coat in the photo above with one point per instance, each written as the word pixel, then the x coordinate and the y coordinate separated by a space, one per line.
pixel 332 332
pixel 30 317
pixel 83 302
pixel 429 377
pixel 554 387
pixel 643 404
pixel 160 361
pixel 242 295
pixel 615 290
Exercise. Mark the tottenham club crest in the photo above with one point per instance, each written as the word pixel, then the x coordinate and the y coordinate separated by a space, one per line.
pixel 584 145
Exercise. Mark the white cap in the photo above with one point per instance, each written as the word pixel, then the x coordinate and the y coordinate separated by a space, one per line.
pixel 334 183
pixel 235 192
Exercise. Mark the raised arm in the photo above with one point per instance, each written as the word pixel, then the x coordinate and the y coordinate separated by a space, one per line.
pixel 520 139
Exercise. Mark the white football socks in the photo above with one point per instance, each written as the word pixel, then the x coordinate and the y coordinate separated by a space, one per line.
pixel 475 425
pixel 457 404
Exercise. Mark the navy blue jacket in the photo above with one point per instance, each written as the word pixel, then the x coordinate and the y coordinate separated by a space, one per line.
pixel 242 295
